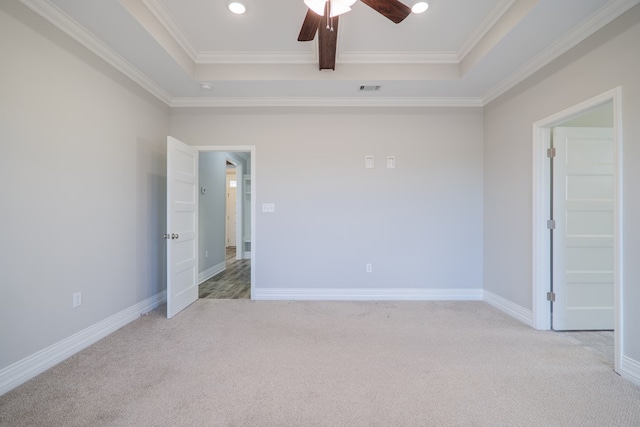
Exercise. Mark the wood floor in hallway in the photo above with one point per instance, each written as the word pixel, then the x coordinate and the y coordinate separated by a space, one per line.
pixel 233 283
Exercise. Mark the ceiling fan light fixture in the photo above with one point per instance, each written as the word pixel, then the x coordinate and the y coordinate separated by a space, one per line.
pixel 338 7
pixel 316 5
pixel 419 7
pixel 237 7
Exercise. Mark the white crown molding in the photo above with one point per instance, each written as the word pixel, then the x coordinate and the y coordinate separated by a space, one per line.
pixel 487 24
pixel 308 57
pixel 166 20
pixel 63 22
pixel 59 19
pixel 398 58
pixel 605 15
pixel 325 102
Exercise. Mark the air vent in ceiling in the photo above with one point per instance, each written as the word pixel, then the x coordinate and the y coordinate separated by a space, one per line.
pixel 370 88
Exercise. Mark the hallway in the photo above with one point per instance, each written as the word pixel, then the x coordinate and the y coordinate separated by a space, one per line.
pixel 233 283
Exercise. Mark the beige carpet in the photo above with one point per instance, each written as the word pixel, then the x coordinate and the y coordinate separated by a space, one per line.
pixel 247 363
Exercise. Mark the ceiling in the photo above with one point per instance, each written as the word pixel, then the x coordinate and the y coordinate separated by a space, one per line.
pixel 457 53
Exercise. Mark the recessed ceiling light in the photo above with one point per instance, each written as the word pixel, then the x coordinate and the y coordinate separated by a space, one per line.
pixel 206 86
pixel 237 7
pixel 419 7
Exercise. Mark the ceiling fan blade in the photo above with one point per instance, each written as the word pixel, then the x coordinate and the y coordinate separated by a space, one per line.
pixel 328 41
pixel 392 9
pixel 309 26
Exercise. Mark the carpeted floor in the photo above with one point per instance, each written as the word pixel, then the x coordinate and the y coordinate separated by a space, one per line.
pixel 272 363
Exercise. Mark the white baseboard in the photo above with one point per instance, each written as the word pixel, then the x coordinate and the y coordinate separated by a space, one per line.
pixel 27 368
pixel 368 294
pixel 512 309
pixel 630 370
pixel 210 272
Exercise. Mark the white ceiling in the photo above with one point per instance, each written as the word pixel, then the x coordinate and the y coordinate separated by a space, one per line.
pixel 459 52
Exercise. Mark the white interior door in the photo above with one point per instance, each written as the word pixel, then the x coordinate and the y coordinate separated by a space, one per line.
pixel 583 240
pixel 182 226
pixel 232 185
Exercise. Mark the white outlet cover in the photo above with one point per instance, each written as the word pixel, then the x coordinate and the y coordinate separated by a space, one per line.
pixel 77 299
pixel 268 207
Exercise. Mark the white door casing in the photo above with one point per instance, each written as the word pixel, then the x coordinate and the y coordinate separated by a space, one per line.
pixel 583 239
pixel 182 226
pixel 541 207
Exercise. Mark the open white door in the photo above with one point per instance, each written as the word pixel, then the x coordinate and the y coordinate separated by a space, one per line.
pixel 182 226
pixel 583 239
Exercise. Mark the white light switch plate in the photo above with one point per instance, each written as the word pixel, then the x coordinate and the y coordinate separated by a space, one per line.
pixel 391 162
pixel 368 162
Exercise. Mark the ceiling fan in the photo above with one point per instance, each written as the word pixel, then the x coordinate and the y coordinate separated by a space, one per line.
pixel 322 17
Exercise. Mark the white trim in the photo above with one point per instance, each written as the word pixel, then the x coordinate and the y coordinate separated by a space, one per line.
pixel 364 101
pixel 55 16
pixel 164 18
pixel 602 17
pixel 69 26
pixel 485 26
pixel 541 240
pixel 27 368
pixel 540 262
pixel 210 272
pixel 512 309
pixel 405 294
pixel 630 370
pixel 275 57
pixel 398 58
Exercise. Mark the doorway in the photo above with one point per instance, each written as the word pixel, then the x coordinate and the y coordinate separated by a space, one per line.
pixel 229 212
pixel 185 193
pixel 546 275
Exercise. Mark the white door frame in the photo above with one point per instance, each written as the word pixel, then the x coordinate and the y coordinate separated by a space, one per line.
pixel 541 208
pixel 251 149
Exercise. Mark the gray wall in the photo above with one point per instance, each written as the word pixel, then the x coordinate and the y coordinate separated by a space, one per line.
pixel 212 209
pixel 420 225
pixel 608 59
pixel 83 184
pixel 82 175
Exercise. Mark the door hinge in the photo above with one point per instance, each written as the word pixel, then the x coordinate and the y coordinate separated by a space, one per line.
pixel 551 224
pixel 551 152
pixel 551 296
